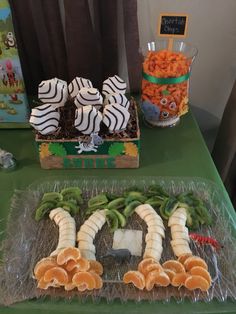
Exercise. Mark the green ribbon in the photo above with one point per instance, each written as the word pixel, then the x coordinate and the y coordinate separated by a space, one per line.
pixel 168 80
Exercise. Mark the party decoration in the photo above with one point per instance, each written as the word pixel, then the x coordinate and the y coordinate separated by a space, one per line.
pixel 113 85
pixel 115 117
pixel 118 99
pixel 88 119
pixel 88 96
pixel 45 119
pixel 53 91
pixel 78 82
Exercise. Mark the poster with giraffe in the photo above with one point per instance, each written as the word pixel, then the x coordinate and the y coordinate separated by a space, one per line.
pixel 13 100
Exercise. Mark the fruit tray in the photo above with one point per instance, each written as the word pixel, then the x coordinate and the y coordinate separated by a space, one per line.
pixel 27 241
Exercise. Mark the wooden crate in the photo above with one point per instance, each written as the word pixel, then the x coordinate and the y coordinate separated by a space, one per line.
pixel 113 153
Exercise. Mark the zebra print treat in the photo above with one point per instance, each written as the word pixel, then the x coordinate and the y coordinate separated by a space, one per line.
pixel 118 99
pixel 54 92
pixel 113 85
pixel 88 96
pixel 44 119
pixel 88 119
pixel 75 86
pixel 115 117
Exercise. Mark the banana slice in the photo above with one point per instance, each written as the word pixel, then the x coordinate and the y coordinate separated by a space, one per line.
pixel 67 234
pixel 179 215
pixel 68 227
pixel 68 231
pixel 60 217
pixel 181 210
pixel 88 255
pixel 98 220
pixel 181 249
pixel 82 236
pixel 157 229
pixel 88 230
pixel 101 212
pixel 66 222
pixel 65 243
pixel 180 235
pixel 91 224
pixel 83 245
pixel 151 217
pixel 55 211
pixel 179 228
pixel 153 254
pixel 154 244
pixel 178 242
pixel 153 236
pixel 144 210
pixel 156 223
pixel 176 221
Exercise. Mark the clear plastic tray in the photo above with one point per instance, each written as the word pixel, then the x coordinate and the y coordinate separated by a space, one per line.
pixel 28 241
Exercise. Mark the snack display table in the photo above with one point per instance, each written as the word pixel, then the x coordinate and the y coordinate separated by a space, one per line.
pixel 178 151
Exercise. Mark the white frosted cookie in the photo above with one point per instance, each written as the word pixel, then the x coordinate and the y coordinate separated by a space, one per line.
pixel 115 117
pixel 88 120
pixel 113 85
pixel 78 82
pixel 88 96
pixel 54 92
pixel 118 99
pixel 44 119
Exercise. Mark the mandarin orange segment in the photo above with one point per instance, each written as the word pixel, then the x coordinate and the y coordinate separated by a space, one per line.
pixel 154 266
pixel 98 280
pixel 176 266
pixel 56 275
pixel 142 266
pixel 80 264
pixel 96 267
pixel 200 271
pixel 193 261
pixel 156 278
pixel 84 278
pixel 182 258
pixel 196 282
pixel 69 286
pixel 83 287
pixel 179 279
pixel 136 278
pixel 170 273
pixel 67 254
pixel 43 284
pixel 43 265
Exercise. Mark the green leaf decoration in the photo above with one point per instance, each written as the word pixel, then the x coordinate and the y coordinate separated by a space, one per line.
pixel 57 149
pixel 116 149
pixel 165 92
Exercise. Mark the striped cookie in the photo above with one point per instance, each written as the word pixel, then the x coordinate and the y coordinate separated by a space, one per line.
pixel 75 86
pixel 53 91
pixel 88 119
pixel 88 96
pixel 44 119
pixel 115 117
pixel 113 85
pixel 118 99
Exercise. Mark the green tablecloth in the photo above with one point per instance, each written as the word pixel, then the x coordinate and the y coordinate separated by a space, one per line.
pixel 178 151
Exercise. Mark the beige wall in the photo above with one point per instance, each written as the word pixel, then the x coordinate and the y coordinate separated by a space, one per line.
pixel 212 28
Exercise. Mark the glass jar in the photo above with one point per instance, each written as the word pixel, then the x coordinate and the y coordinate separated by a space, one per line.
pixel 165 83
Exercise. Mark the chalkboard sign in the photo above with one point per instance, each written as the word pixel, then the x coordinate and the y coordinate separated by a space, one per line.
pixel 172 25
